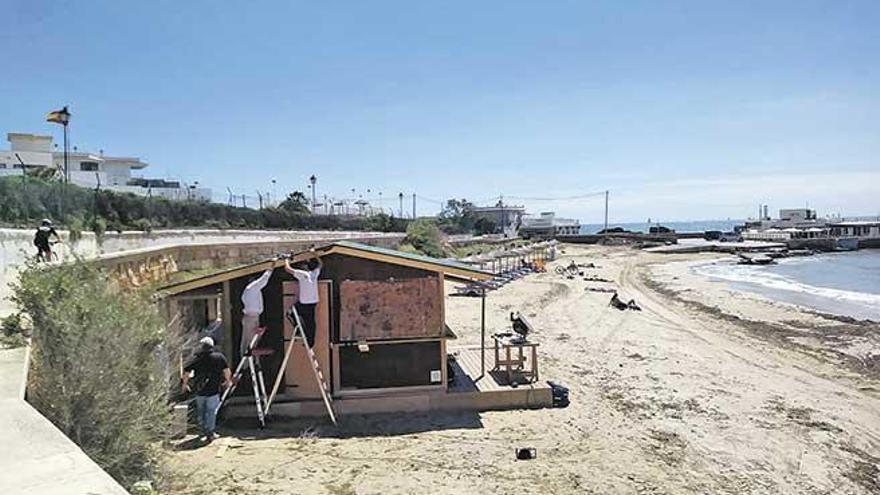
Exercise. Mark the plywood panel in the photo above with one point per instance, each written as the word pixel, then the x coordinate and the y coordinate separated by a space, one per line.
pixel 298 376
pixel 392 365
pixel 390 309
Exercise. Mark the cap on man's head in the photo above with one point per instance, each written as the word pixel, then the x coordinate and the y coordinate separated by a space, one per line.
pixel 207 342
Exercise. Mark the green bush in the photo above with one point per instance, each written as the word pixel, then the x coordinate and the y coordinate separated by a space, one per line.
pixel 99 365
pixel 25 202
pixel 75 228
pixel 424 236
pixel 144 225
pixel 99 227
pixel 12 332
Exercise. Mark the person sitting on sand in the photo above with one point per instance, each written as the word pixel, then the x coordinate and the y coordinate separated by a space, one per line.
pixel 619 304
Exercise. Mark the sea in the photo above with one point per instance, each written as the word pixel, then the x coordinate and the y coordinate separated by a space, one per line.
pixel 846 283
pixel 692 226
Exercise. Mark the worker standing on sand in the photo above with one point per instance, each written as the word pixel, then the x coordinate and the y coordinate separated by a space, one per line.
pixel 211 372
pixel 308 293
pixel 252 301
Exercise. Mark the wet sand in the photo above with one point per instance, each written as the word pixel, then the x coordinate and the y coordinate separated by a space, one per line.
pixel 703 391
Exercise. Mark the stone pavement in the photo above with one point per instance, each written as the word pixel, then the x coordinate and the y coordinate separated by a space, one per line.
pixel 36 458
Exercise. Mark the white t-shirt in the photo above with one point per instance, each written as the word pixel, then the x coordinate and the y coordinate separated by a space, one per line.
pixel 252 296
pixel 308 285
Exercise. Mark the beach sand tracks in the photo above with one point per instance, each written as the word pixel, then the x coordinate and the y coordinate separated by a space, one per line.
pixel 864 470
pixel 801 416
pixel 667 446
pixel 834 340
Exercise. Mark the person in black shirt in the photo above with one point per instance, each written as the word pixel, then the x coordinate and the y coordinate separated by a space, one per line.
pixel 41 240
pixel 211 372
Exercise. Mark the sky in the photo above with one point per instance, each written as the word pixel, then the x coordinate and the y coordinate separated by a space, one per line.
pixel 683 110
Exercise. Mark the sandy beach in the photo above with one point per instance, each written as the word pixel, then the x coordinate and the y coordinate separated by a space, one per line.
pixel 706 390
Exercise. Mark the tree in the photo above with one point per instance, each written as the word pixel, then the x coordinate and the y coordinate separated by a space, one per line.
pixel 457 217
pixel 296 202
pixel 485 226
pixel 424 236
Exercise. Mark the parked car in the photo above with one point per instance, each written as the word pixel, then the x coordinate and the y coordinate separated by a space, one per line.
pixel 730 237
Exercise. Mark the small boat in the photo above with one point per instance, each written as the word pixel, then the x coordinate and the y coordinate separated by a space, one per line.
pixel 755 259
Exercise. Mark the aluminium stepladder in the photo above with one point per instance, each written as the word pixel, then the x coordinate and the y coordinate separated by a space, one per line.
pixel 296 321
pixel 252 360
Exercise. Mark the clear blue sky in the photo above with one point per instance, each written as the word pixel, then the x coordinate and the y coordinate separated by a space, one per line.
pixel 684 110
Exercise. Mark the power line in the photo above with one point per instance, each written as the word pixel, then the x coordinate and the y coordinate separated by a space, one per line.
pixel 559 198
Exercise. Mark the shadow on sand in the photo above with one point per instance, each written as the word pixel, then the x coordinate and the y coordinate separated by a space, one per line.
pixel 351 426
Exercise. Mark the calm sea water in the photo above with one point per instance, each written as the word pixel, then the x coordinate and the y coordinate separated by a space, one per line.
pixel 694 226
pixel 838 283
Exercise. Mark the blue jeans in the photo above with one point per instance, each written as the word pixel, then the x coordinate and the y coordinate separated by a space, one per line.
pixel 206 411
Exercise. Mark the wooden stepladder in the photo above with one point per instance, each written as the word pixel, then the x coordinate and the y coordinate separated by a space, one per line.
pixel 295 320
pixel 252 360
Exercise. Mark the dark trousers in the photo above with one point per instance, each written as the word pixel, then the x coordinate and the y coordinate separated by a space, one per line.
pixel 307 316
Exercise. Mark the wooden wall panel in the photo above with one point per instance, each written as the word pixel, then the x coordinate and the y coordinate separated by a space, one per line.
pixel 390 309
pixel 384 366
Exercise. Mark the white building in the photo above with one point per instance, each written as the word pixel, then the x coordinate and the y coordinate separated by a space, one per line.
pixel 90 169
pixel 507 218
pixel 547 224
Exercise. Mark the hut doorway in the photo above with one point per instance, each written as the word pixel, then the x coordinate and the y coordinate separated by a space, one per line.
pixel 299 379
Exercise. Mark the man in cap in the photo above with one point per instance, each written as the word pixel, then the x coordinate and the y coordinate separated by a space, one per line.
pixel 211 372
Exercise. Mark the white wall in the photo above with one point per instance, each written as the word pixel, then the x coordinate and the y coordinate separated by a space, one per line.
pixel 28 157
pixel 117 173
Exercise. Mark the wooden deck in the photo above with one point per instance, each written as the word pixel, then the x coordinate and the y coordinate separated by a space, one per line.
pixel 467 391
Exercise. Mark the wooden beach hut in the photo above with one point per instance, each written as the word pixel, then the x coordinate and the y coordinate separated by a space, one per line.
pixel 382 336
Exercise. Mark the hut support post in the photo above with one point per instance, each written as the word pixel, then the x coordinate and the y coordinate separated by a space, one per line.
pixel 483 332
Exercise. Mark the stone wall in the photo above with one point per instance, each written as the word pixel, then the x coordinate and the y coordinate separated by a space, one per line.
pixel 142 267
pixel 142 257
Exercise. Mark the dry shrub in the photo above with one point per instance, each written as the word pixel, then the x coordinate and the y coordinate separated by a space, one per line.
pixel 99 366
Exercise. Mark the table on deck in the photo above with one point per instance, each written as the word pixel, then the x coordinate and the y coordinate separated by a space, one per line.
pixel 514 360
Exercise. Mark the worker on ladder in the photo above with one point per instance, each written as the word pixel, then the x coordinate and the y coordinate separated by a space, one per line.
pixel 308 293
pixel 252 301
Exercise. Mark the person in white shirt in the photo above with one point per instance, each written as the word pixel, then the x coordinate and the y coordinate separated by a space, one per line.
pixel 252 299
pixel 308 293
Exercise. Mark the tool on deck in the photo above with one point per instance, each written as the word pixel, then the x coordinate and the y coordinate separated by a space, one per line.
pixel 251 359
pixel 295 320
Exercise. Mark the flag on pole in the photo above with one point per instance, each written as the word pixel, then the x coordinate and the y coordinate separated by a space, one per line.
pixel 59 116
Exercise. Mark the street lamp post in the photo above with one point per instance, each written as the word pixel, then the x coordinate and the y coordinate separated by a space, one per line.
pixel 312 181
pixel 400 197
pixel 62 117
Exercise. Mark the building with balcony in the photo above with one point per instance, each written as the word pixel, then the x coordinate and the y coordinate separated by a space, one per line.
pixel 32 151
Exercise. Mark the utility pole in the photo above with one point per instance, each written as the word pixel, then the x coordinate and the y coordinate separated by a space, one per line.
pixel 95 203
pixel 400 197
pixel 24 186
pixel 606 211
pixel 414 206
pixel 243 201
pixel 501 203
